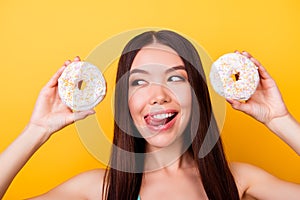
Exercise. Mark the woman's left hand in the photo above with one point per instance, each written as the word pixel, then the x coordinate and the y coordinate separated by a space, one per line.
pixel 266 103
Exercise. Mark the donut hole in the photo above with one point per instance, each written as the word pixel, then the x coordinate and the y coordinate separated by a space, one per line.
pixel 235 76
pixel 81 85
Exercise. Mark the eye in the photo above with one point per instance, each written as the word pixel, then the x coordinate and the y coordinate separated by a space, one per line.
pixel 176 78
pixel 138 82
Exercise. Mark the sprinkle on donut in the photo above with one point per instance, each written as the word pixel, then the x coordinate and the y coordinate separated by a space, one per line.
pixel 81 86
pixel 234 76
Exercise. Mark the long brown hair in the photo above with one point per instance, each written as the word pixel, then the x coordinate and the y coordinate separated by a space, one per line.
pixel 213 168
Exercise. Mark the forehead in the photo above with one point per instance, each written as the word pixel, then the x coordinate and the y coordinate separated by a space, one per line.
pixel 157 54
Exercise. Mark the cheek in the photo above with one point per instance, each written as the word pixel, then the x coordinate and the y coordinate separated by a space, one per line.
pixel 183 95
pixel 136 103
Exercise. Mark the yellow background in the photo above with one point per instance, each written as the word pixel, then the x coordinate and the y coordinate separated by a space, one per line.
pixel 38 36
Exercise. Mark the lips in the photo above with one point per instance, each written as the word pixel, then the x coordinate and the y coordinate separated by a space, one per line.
pixel 162 120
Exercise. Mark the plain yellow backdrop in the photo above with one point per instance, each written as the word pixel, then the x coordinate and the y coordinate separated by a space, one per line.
pixel 36 37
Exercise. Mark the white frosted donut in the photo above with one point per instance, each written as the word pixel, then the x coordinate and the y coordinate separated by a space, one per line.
pixel 234 76
pixel 81 86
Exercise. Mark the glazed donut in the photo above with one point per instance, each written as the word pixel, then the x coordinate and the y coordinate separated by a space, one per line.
pixel 81 86
pixel 234 76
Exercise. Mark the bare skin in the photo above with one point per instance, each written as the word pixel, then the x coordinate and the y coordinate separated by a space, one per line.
pixel 180 183
pixel 177 181
pixel 267 106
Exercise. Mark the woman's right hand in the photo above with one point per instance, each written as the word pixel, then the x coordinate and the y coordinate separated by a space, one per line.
pixel 50 112
pixel 50 115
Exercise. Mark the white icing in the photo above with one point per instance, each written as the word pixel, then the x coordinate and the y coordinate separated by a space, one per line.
pixel 222 75
pixel 89 94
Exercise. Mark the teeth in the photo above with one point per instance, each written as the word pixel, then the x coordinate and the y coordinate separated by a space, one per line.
pixel 163 116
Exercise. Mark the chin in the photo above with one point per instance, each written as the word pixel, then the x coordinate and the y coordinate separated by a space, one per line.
pixel 160 141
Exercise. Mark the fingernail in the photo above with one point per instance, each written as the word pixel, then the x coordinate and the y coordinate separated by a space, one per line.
pixel 229 100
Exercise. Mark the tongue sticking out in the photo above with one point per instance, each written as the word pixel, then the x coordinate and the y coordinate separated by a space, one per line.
pixel 150 120
pixel 155 122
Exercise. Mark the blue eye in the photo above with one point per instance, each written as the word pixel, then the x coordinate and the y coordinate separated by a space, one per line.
pixel 176 78
pixel 138 82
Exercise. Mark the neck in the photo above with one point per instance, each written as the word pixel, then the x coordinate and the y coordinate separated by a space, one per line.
pixel 170 158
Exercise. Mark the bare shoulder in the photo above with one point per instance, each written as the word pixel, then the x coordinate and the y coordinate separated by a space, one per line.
pixel 242 169
pixel 86 185
pixel 240 172
pixel 91 176
pixel 89 183
pixel 260 184
pixel 246 173
pixel 246 176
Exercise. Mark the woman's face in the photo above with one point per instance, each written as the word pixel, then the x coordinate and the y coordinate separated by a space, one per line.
pixel 159 96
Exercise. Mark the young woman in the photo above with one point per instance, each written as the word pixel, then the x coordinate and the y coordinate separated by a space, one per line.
pixel 166 141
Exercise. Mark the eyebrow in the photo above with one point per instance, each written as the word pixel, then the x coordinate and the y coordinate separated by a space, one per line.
pixel 180 67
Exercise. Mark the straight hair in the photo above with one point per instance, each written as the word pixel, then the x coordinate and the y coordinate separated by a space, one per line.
pixel 213 168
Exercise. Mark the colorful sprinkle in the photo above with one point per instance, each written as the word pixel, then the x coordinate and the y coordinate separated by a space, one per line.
pixel 234 76
pixel 81 86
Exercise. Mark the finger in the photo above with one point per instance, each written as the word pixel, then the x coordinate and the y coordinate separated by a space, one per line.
pixel 67 62
pixel 53 81
pixel 261 70
pixel 234 103
pixel 81 115
pixel 245 53
pixel 236 51
pixel 230 101
pixel 244 107
pixel 255 61
pixel 77 59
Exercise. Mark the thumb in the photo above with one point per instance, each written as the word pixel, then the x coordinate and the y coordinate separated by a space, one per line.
pixel 81 115
pixel 237 105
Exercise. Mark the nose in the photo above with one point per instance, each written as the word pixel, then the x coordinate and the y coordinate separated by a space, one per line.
pixel 159 94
